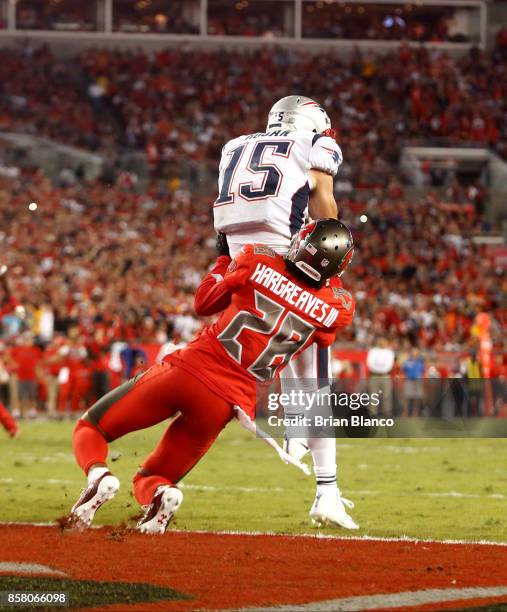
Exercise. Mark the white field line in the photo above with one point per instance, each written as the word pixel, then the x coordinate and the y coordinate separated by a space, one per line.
pixel 7 567
pixel 51 481
pixel 411 450
pixel 390 600
pixel 273 534
pixel 212 488
pixel 455 494
pixel 470 495
pixel 57 457
pixel 226 488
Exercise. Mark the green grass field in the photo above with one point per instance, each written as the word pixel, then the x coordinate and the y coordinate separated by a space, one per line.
pixel 441 489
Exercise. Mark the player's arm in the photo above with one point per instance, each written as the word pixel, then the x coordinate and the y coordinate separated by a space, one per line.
pixel 212 298
pixel 215 292
pixel 322 204
pixel 213 295
pixel 324 161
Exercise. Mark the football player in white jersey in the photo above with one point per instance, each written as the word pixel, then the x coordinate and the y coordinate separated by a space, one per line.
pixel 268 182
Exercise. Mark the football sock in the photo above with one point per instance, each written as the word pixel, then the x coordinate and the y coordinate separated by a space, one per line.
pixel 96 473
pixel 145 487
pixel 89 445
pixel 324 462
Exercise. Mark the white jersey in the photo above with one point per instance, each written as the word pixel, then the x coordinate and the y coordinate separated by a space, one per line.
pixel 264 188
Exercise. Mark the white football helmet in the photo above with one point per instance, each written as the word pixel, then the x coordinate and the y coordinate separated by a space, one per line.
pixel 298 113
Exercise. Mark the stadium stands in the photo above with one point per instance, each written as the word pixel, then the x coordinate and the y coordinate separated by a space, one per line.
pixel 112 262
pixel 174 102
pixel 416 273
pixel 421 22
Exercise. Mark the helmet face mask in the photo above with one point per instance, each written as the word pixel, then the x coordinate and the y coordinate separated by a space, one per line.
pixel 298 113
pixel 320 250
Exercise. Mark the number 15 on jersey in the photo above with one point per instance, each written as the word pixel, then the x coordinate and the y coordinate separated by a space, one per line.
pixel 250 177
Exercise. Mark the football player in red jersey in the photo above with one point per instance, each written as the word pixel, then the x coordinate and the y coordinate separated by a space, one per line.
pixel 272 308
pixel 9 304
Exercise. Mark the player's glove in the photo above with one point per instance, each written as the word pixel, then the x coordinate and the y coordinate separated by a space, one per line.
pixel 222 246
pixel 246 422
pixel 295 447
pixel 330 132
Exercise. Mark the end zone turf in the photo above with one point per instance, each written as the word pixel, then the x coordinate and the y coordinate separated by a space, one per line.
pixel 189 571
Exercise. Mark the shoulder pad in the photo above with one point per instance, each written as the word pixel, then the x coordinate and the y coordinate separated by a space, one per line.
pixel 343 296
pixel 325 155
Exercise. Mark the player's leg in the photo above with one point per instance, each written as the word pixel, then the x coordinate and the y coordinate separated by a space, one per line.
pixel 8 422
pixel 202 416
pixel 52 395
pixel 310 372
pixel 14 395
pixel 137 404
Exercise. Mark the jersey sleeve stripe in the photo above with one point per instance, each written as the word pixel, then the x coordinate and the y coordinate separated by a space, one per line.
pixel 298 207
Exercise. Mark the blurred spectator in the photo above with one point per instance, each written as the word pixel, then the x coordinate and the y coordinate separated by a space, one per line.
pixel 22 359
pixel 4 377
pixel 380 362
pixel 53 360
pixel 75 375
pixel 499 376
pixel 413 369
pixel 471 370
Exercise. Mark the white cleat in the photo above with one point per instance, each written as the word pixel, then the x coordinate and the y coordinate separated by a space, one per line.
pixel 329 509
pixel 96 494
pixel 159 513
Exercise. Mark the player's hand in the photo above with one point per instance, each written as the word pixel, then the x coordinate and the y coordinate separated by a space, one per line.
pixel 222 246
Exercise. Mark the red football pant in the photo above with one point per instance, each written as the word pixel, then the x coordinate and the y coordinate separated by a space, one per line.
pixel 7 420
pixel 159 394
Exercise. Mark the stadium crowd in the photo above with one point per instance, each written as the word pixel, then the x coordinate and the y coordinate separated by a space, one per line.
pixel 96 264
pixel 41 95
pixel 270 19
pixel 100 262
pixel 190 102
pixel 69 14
pixel 156 16
pixel 380 22
pixel 195 101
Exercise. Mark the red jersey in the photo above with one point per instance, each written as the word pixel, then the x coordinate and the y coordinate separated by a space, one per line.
pixel 25 360
pixel 269 316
